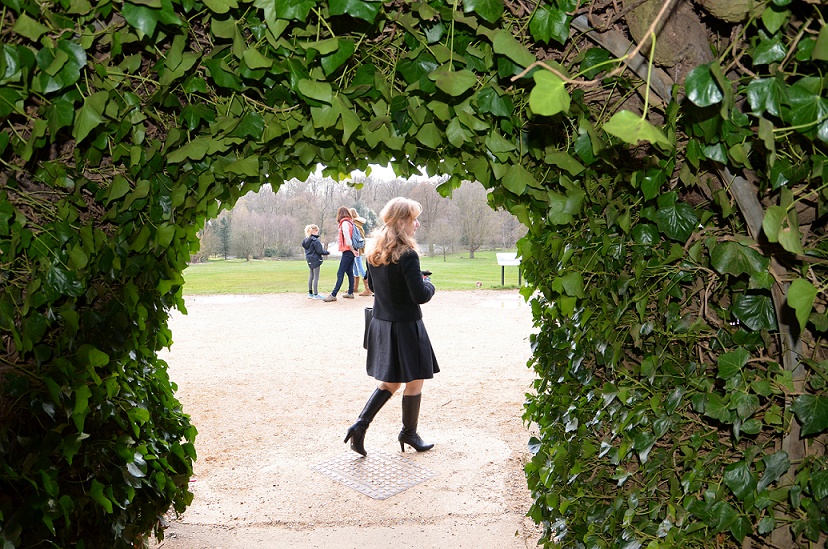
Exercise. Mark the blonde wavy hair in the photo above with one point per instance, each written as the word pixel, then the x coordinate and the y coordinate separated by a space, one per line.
pixel 390 241
pixel 311 229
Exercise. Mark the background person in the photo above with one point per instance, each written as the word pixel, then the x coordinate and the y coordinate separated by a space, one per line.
pixel 346 263
pixel 313 255
pixel 359 260
pixel 399 350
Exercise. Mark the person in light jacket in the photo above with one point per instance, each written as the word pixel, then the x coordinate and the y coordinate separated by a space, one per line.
pixel 346 263
pixel 399 349
pixel 313 254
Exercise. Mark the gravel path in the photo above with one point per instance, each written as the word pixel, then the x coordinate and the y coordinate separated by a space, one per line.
pixel 272 382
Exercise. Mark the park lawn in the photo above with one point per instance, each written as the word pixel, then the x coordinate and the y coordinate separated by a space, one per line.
pixel 237 276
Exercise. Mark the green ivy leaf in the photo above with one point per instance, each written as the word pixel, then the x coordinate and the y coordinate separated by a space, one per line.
pixel 454 83
pixel 430 136
pixel 296 10
pixel 516 179
pixel 350 123
pixel 702 88
pixel 563 208
pixel 96 493
pixel 67 60
pixel 457 134
pixel 801 295
pixel 142 18
pixel 768 51
pixel 676 220
pixel 819 484
pixel 570 284
pixel 335 60
pixel 60 281
pixel 755 311
pixel 366 10
pixel 547 23
pixel 548 96
pixel 81 406
pixel 595 61
pixel 739 478
pixel 791 239
pixel 255 60
pixel 776 465
pixel 194 150
pixel 730 364
pixel 746 404
pixel 716 408
pixel 28 27
pixel 752 426
pixel 716 152
pixel 505 43
pixel 773 17
pixel 222 77
pixel 820 51
pixel 772 222
pixel 651 183
pixel 631 128
pixel 766 525
pixel 490 10
pixel 490 101
pixel 736 259
pixel 221 6
pixel 645 234
pixel 248 166
pixel 807 104
pixel 321 91
pixel 564 161
pixel 767 94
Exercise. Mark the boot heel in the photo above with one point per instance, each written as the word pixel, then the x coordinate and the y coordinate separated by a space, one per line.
pixel 402 446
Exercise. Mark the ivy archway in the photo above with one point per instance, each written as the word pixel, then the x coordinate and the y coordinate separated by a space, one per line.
pixel 674 195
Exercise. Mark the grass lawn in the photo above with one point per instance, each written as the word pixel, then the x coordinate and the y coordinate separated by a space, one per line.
pixel 235 276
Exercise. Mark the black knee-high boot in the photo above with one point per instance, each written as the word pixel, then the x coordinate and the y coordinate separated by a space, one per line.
pixel 356 432
pixel 410 417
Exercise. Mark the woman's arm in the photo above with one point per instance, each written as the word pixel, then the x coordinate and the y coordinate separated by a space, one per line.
pixel 421 290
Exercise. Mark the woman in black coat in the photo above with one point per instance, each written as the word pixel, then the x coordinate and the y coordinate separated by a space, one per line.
pixel 399 350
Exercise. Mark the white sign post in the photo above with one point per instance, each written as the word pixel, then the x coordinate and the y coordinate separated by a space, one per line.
pixel 507 259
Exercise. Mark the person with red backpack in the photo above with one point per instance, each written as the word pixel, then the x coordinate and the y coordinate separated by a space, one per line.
pixel 358 238
pixel 346 263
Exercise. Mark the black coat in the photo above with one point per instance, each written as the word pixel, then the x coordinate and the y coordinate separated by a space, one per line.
pixel 314 251
pixel 399 349
pixel 399 289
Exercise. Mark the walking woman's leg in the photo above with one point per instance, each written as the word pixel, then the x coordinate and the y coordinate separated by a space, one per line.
pixel 350 273
pixel 410 417
pixel 356 432
pixel 340 274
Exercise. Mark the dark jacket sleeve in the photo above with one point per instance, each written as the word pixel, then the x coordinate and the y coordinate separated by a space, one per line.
pixel 421 291
pixel 319 249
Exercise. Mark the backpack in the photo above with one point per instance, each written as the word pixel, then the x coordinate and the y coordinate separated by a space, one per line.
pixel 356 238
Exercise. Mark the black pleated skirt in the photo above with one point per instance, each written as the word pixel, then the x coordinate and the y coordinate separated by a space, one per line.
pixel 399 352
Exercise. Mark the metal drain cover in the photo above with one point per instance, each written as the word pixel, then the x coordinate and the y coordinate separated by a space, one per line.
pixel 378 475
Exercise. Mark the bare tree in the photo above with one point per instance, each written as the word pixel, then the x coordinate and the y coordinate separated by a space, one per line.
pixel 508 230
pixel 444 232
pixel 425 192
pixel 475 218
pixel 267 224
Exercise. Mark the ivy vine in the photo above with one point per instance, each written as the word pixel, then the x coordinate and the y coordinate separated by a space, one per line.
pixel 675 198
